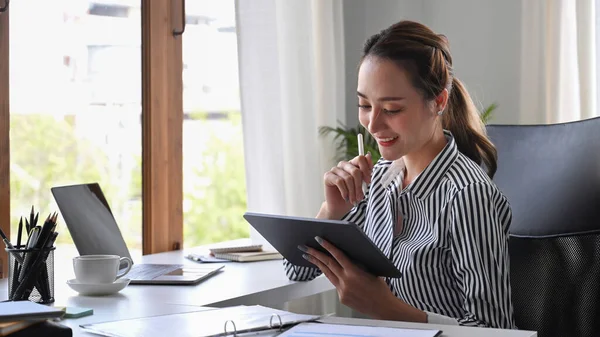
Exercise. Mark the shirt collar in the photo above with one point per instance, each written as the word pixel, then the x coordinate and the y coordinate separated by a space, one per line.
pixel 425 182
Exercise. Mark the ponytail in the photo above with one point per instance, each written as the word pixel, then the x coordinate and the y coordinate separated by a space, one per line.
pixel 463 121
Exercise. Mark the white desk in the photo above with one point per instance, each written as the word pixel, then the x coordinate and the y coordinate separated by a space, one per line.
pixel 261 283
pixel 447 330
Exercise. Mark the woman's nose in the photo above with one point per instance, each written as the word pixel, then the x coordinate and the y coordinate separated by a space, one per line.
pixel 375 120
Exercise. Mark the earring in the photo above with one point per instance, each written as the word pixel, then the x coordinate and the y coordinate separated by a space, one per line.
pixel 440 112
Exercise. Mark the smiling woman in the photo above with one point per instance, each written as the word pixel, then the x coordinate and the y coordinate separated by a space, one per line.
pixel 430 206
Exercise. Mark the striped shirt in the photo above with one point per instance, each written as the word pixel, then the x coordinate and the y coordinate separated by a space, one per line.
pixel 451 245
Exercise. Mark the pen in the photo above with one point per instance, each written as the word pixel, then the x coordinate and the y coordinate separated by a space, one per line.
pixel 34 265
pixel 10 246
pixel 361 152
pixel 5 239
pixel 44 273
pixel 35 220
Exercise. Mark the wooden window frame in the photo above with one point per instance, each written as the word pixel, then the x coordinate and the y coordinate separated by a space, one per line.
pixel 162 127
pixel 4 136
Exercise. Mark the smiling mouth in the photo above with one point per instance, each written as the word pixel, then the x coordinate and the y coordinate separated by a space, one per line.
pixel 387 141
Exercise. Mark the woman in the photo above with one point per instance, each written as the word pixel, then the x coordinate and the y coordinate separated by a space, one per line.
pixel 430 207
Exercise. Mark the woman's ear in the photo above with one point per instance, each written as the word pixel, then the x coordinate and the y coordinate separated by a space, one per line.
pixel 441 101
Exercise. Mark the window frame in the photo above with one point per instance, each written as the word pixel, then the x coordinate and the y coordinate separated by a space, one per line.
pixel 4 136
pixel 162 127
pixel 162 131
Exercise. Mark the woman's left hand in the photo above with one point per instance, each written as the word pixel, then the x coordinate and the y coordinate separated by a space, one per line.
pixel 356 288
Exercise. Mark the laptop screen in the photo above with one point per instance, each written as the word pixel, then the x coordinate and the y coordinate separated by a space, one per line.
pixel 89 219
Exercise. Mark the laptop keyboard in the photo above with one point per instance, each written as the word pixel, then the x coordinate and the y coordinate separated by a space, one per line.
pixel 150 271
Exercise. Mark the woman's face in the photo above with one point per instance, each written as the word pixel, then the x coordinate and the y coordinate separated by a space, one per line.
pixel 392 109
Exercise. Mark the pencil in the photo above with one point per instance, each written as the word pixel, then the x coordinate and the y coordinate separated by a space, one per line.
pixel 19 232
pixel 31 218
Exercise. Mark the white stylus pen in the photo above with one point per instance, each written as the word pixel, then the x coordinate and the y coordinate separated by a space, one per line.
pixel 361 152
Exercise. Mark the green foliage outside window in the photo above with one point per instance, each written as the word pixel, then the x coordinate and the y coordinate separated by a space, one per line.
pixel 46 152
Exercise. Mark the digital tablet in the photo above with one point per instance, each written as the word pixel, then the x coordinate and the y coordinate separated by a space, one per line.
pixel 286 233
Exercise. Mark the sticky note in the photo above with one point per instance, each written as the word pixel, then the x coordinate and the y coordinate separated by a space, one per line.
pixel 75 312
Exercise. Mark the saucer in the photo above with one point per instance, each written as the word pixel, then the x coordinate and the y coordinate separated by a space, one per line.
pixel 100 289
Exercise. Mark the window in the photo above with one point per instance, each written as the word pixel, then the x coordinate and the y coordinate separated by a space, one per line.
pixel 75 97
pixel 213 158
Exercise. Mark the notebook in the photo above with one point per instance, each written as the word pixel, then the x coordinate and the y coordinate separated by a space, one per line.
pixel 27 310
pixel 236 249
pixel 8 328
pixel 249 256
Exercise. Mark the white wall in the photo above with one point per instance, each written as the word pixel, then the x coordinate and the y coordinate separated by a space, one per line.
pixel 484 40
pixel 485 43
pixel 354 21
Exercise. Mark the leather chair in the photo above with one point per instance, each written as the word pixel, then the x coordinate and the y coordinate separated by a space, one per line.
pixel 551 177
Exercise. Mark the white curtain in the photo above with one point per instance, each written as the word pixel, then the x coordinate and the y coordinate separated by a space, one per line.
pixel 559 80
pixel 292 82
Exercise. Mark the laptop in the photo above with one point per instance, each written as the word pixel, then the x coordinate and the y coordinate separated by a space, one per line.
pixel 95 231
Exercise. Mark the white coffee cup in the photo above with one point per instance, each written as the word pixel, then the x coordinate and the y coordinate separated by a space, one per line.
pixel 95 269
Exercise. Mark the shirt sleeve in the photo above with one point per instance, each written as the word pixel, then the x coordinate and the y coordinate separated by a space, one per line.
pixel 298 273
pixel 480 217
pixel 434 318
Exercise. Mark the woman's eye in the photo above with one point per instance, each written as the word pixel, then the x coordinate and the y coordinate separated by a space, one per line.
pixel 366 107
pixel 392 111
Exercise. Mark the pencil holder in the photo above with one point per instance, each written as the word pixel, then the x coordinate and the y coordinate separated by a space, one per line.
pixel 31 274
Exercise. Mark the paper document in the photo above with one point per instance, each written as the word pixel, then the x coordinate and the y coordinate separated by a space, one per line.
pixel 340 330
pixel 201 323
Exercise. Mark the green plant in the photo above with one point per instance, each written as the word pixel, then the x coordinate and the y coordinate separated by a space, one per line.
pixel 486 114
pixel 347 142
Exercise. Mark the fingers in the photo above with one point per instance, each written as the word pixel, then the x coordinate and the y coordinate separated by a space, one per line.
pixel 349 177
pixel 337 177
pixel 339 256
pixel 333 278
pixel 355 181
pixel 325 259
pixel 365 164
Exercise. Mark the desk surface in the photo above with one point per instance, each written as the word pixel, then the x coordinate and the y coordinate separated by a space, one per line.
pixel 250 283
pixel 447 330
pixel 263 283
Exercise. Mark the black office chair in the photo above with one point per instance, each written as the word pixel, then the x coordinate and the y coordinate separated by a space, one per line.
pixel 551 177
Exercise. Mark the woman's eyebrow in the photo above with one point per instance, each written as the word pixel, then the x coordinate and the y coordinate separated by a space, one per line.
pixel 382 99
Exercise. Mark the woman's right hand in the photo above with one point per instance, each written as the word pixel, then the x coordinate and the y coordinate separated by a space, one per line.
pixel 343 185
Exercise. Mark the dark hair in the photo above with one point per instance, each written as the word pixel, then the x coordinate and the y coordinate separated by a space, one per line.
pixel 426 57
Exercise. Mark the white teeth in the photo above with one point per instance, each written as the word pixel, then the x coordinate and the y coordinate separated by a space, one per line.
pixel 387 139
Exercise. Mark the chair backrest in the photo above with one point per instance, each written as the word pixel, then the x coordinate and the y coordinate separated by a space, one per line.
pixel 551 177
